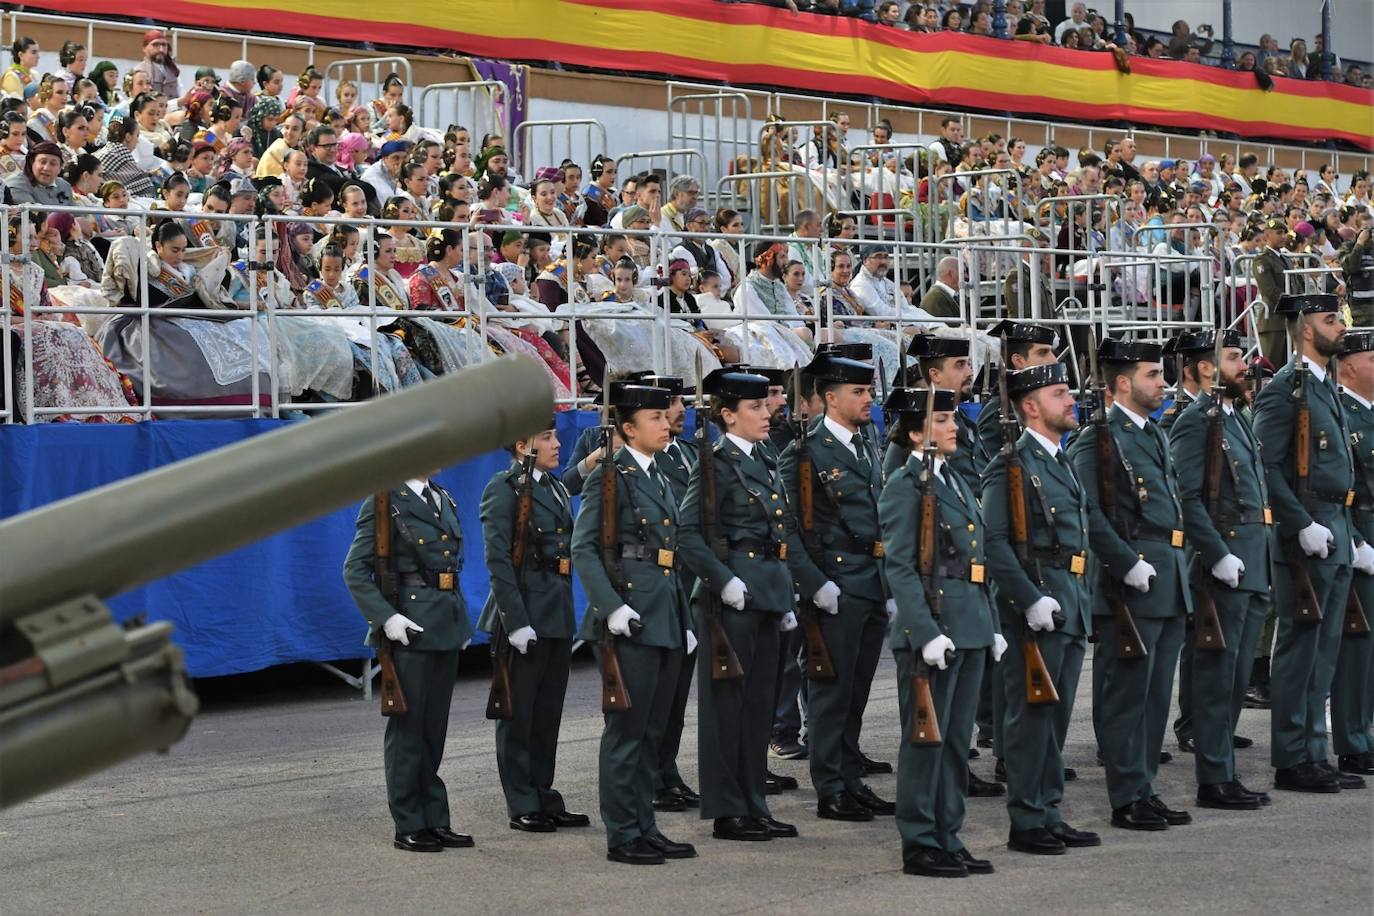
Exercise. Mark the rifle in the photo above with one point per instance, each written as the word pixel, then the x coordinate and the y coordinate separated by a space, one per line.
pixel 393 698
pixel 819 665
pixel 1207 635
pixel 614 696
pixel 500 703
pixel 1129 645
pixel 725 664
pixel 1040 690
pixel 925 725
pixel 1308 609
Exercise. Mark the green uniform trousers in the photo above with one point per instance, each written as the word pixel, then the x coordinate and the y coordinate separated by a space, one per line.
pixel 932 782
pixel 735 718
pixel 1131 703
pixel 414 744
pixel 1251 633
pixel 1304 665
pixel 527 744
pixel 835 709
pixel 1352 692
pixel 1217 682
pixel 628 764
pixel 668 774
pixel 1033 735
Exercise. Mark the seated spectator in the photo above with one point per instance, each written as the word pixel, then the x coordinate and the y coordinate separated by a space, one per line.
pixel 384 174
pixel 951 21
pixel 21 72
pixel 262 123
pixel 52 98
pixel 40 181
pixel 163 72
pixel 1297 59
pixel 1078 17
pixel 305 95
pixel 13 135
pixel 889 13
pixel 1182 39
pixel 239 85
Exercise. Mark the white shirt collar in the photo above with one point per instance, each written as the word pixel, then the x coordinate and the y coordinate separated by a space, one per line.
pixel 1136 418
pixel 1359 400
pixel 744 445
pixel 953 293
pixel 1046 443
pixel 1228 408
pixel 840 433
pixel 1317 368
pixel 938 464
pixel 418 485
pixel 538 475
pixel 641 459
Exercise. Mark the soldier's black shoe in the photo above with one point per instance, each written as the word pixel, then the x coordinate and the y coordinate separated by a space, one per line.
pixel 420 841
pixel 785 783
pixel 974 866
pixel 668 800
pixel 1240 742
pixel 1186 744
pixel 874 767
pixel 567 818
pixel 776 828
pixel 771 786
pixel 1226 796
pixel 981 788
pixel 870 800
pixel 668 849
pixel 999 772
pixel 1263 797
pixel 1256 697
pixel 842 807
pixel 1166 757
pixel 451 840
pixel 1138 815
pixel 739 828
pixel 1070 774
pixel 535 822
pixel 1037 842
pixel 1344 780
pixel 1306 777
pixel 934 863
pixel 1072 838
pixel 1356 763
pixel 1176 817
pixel 636 852
pixel 689 798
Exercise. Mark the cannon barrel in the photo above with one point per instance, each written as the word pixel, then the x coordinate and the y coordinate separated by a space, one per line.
pixel 125 534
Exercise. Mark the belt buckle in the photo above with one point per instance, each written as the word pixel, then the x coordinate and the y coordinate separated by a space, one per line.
pixel 975 573
pixel 446 581
pixel 665 558
pixel 1078 564
pixel 1176 538
pixel 782 551
pixel 878 550
pixel 1268 516
pixel 564 566
pixel 1350 497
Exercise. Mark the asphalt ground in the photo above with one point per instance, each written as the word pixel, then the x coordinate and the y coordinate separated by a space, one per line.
pixel 274 803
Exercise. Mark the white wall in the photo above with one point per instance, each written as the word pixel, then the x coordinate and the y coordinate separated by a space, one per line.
pixel 1352 21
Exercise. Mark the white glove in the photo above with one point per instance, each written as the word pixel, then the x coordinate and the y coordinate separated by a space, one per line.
pixel 999 647
pixel 733 593
pixel 619 621
pixel 891 608
pixel 1315 540
pixel 1140 575
pixel 1229 569
pixel 397 628
pixel 691 641
pixel 522 638
pixel 1364 558
pixel 465 645
pixel 934 651
pixel 788 623
pixel 827 598
pixel 1040 615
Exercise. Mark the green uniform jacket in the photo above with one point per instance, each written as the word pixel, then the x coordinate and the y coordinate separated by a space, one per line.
pixel 845 508
pixel 645 517
pixel 1171 413
pixel 540 597
pixel 1270 280
pixel 751 509
pixel 1360 420
pixel 1149 501
pixel 673 466
pixel 894 456
pixel 437 546
pixel 1330 464
pixel 1067 523
pixel 988 430
pixel 965 460
pixel 1016 293
pixel 1243 492
pixel 966 614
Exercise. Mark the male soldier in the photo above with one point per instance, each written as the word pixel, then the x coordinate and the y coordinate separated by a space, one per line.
pixel 531 608
pixel 1141 562
pixel 1036 581
pixel 1186 385
pixel 1352 694
pixel 780 431
pixel 1230 552
pixel 943 362
pixel 427 626
pixel 1269 270
pixel 1315 530
pixel 841 574
pixel 1030 282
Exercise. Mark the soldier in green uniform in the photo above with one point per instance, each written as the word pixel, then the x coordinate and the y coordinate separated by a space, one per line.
pixel 1042 596
pixel 532 609
pixel 1315 529
pixel 427 627
pixel 1186 385
pixel 735 716
pixel 944 362
pixel 1271 283
pixel 930 779
pixel 1139 554
pixel 1027 345
pixel 1352 693
pixel 1230 546
pixel 843 578
pixel 634 606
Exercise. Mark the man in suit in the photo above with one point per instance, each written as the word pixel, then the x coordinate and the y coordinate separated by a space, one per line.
pixel 944 363
pixel 634 608
pixel 942 299
pixel 1042 596
pixel 1140 560
pixel 1314 529
pixel 1231 558
pixel 426 626
pixel 322 143
pixel 841 574
pixel 530 609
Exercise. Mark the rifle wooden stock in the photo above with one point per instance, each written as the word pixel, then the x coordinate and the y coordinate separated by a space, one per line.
pixel 1307 607
pixel 925 725
pixel 819 665
pixel 1356 623
pixel 614 696
pixel 1207 635
pixel 1039 685
pixel 500 699
pixel 392 697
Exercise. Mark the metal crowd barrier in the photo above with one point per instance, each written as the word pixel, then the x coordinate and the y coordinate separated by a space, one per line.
pixel 381 68
pixel 528 148
pixel 480 105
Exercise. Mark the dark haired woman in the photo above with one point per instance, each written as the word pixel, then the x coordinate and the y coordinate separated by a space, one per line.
pixel 21 72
